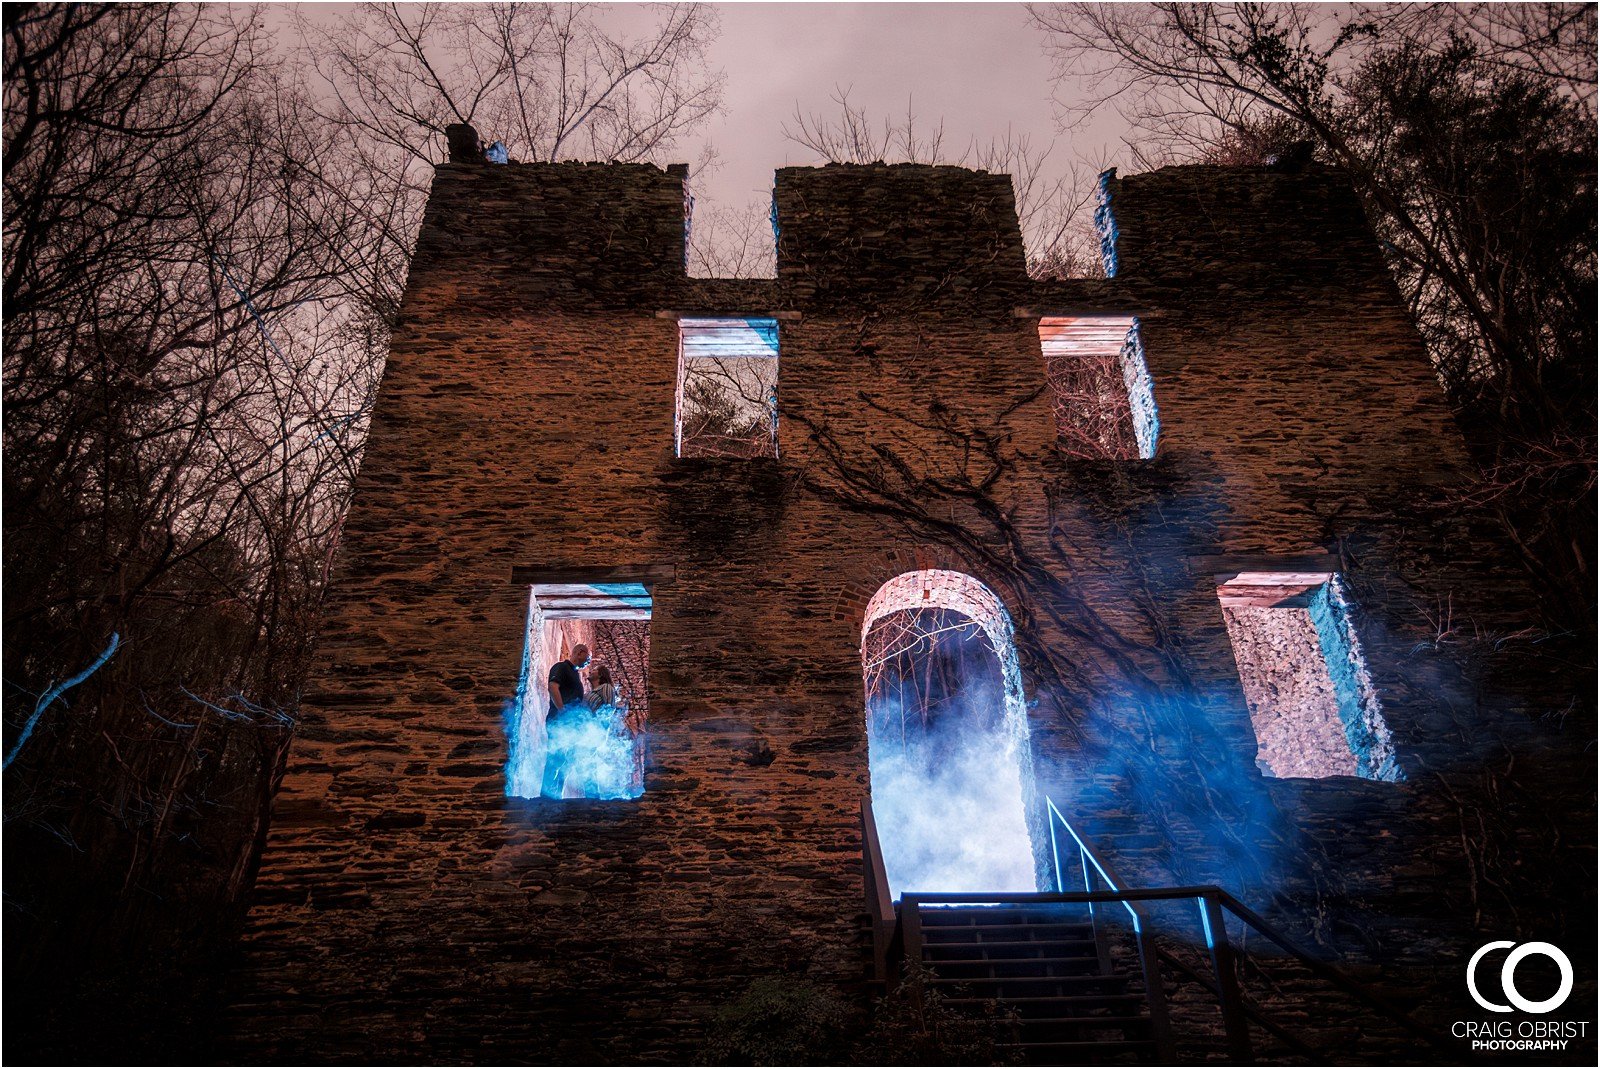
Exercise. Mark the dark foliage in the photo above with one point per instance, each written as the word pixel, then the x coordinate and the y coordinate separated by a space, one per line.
pixel 784 1021
pixel 916 1025
pixel 779 1021
pixel 199 274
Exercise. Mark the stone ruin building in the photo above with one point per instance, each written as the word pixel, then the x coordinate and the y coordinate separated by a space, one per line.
pixel 1166 560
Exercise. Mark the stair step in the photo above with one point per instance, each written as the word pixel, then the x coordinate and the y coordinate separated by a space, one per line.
pixel 1048 1018
pixel 1046 967
pixel 949 918
pixel 1120 979
pixel 1045 1002
pixel 936 954
pixel 1078 931
pixel 1102 1045
pixel 1013 987
pixel 1005 944
pixel 1006 967
pixel 1074 960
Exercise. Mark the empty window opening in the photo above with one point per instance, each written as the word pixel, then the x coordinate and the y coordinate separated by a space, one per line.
pixel 947 736
pixel 727 388
pixel 592 747
pixel 1104 402
pixel 1311 699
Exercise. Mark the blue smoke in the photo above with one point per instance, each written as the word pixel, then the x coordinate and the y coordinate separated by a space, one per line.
pixel 1191 809
pixel 590 753
pixel 947 789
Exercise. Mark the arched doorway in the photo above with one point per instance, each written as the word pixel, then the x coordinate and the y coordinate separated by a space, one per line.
pixel 947 736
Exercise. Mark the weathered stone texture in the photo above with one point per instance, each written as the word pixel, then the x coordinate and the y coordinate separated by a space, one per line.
pixel 1293 706
pixel 407 909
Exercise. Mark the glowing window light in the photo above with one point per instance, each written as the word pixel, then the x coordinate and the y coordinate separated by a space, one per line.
pixel 951 783
pixel 597 750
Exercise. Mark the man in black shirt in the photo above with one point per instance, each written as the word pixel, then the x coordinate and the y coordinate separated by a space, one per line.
pixel 566 686
pixel 566 697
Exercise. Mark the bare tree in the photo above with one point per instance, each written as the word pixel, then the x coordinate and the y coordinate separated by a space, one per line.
pixel 187 366
pixel 1469 132
pixel 729 407
pixel 549 81
pixel 1553 43
pixel 1053 204
pixel 854 137
pixel 726 241
pixel 199 272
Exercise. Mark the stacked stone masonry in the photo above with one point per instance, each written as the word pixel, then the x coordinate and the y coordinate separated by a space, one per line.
pixel 407 909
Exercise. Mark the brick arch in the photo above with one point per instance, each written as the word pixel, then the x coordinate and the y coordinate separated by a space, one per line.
pixel 850 604
pixel 959 591
pixel 947 588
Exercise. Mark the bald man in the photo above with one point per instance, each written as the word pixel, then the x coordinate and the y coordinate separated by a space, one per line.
pixel 566 686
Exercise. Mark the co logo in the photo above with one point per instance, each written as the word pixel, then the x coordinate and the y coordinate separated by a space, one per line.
pixel 1508 973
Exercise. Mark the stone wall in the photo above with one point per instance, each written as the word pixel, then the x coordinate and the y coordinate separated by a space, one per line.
pixel 407 909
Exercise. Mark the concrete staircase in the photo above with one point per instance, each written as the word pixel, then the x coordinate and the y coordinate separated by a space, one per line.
pixel 1089 982
pixel 1045 962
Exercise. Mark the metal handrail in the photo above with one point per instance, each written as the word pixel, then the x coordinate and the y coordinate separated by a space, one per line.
pixel 1232 1000
pixel 1212 901
pixel 1089 856
pixel 1178 965
pixel 898 929
pixel 1332 973
pixel 1149 962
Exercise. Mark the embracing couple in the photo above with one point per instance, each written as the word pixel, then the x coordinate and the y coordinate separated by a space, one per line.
pixel 566 685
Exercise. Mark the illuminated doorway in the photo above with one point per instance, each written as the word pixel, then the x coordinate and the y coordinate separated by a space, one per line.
pixel 947 736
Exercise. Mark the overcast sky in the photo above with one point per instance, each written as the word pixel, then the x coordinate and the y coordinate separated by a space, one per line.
pixel 979 67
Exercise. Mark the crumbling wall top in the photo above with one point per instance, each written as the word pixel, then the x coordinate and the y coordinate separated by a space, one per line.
pixel 1263 234
pixel 552 235
pixel 898 234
